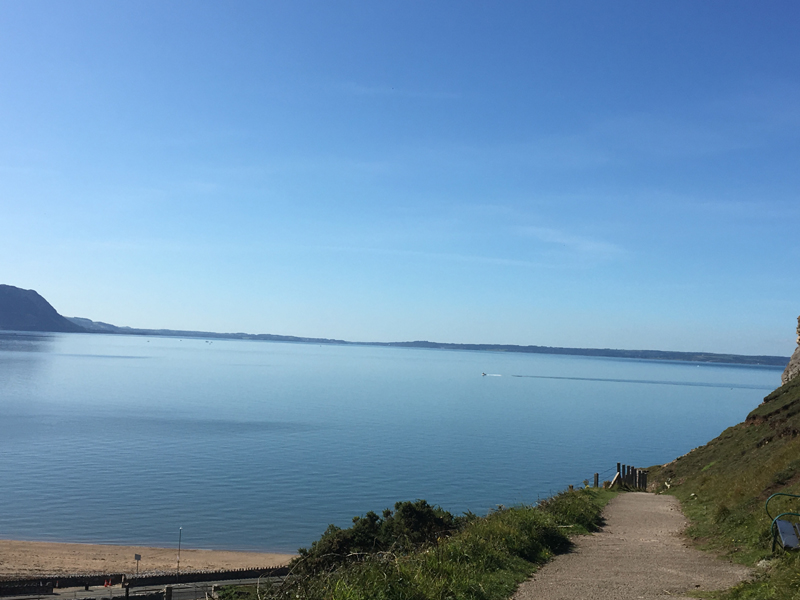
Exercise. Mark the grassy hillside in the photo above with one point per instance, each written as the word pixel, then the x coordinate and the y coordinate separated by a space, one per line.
pixel 420 552
pixel 724 484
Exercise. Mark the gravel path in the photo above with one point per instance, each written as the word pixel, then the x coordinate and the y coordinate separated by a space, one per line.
pixel 639 553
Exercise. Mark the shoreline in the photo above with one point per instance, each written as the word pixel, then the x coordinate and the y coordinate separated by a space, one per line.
pixel 679 356
pixel 23 559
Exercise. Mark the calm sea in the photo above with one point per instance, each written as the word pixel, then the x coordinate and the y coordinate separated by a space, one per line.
pixel 260 445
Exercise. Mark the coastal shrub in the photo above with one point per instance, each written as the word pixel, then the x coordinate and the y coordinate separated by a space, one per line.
pixel 421 552
pixel 409 526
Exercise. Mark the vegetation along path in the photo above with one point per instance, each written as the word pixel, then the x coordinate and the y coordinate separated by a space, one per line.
pixel 639 553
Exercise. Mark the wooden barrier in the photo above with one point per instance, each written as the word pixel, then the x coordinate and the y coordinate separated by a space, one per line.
pixel 629 476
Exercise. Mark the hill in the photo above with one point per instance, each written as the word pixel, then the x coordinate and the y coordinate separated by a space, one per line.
pixel 710 357
pixel 773 361
pixel 723 486
pixel 26 310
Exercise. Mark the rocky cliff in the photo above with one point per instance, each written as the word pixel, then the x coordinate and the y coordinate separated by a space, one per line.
pixel 25 310
pixel 793 368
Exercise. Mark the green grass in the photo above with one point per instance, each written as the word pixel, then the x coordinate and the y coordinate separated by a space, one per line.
pixel 482 558
pixel 722 487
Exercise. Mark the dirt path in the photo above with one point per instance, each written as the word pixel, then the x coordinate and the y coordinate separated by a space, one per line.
pixel 640 553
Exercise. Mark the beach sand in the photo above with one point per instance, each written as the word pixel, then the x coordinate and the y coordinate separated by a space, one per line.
pixel 33 559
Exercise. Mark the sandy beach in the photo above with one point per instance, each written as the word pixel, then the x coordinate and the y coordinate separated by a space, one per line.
pixel 31 559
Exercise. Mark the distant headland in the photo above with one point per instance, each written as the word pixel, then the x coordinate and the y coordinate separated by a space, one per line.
pixel 26 310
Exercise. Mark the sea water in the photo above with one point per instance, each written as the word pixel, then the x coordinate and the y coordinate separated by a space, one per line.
pixel 260 445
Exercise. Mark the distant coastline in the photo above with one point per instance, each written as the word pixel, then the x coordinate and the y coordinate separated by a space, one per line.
pixel 26 310
pixel 703 357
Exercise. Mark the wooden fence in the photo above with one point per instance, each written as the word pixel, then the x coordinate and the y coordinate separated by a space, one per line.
pixel 627 475
pixel 630 476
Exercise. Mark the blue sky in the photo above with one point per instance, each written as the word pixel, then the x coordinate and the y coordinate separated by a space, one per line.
pixel 560 173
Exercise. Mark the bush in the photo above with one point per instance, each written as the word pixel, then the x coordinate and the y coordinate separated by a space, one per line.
pixel 421 552
pixel 409 526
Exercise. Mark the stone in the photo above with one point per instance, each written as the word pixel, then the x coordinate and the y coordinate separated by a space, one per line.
pixel 793 368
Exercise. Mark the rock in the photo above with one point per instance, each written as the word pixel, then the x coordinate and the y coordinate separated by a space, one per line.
pixel 793 368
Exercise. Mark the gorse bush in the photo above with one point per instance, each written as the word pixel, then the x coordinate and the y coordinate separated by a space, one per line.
pixel 421 552
pixel 410 526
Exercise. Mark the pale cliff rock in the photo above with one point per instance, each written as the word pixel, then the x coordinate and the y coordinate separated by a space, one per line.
pixel 793 368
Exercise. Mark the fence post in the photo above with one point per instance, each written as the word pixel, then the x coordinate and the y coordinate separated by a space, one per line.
pixel 596 480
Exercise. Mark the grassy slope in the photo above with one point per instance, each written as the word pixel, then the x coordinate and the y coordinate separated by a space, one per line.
pixel 485 560
pixel 723 485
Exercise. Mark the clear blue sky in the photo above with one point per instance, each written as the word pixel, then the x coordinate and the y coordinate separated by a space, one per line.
pixel 603 174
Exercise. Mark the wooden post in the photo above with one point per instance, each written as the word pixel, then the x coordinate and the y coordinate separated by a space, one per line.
pixel 596 480
pixel 619 470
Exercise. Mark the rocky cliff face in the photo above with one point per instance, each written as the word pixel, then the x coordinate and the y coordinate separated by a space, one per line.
pixel 25 310
pixel 793 368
